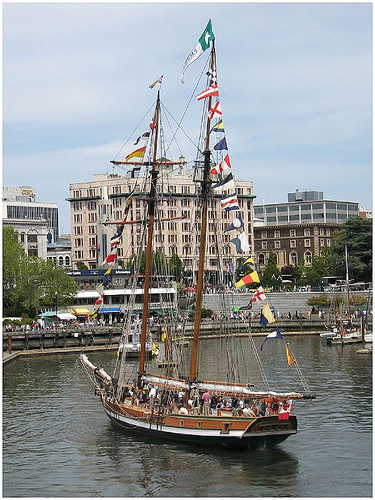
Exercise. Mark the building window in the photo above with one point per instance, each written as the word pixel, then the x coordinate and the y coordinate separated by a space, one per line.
pixel 276 234
pixel 261 259
pixel 264 235
pixel 264 245
pixel 277 244
pixel 307 243
pixel 293 243
pixel 308 258
pixel 292 233
pixel 293 259
pixel 306 232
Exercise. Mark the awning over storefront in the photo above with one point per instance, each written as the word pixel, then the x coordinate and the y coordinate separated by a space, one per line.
pixel 109 310
pixel 80 311
pixel 87 295
pixel 66 316
pixel 48 314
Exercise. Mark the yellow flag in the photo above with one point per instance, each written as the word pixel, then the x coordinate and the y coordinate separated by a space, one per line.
pixel 289 356
pixel 267 314
pixel 138 153
pixel 246 280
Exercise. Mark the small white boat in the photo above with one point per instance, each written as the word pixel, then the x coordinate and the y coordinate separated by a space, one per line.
pixel 329 335
pixel 368 338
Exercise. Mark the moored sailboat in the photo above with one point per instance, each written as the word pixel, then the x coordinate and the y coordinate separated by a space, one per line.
pixel 181 405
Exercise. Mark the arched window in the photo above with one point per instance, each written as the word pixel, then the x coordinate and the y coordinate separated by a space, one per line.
pixel 261 259
pixel 308 258
pixel 293 259
pixel 61 260
pixel 67 260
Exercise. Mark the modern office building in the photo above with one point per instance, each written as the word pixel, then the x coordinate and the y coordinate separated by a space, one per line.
pixel 300 229
pixel 102 200
pixel 306 207
pixel 36 223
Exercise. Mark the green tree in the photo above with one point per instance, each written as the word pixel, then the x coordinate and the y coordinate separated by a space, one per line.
pixel 271 275
pixel 356 235
pixel 159 263
pixel 56 287
pixel 29 283
pixel 316 271
pixel 176 267
pixel 81 266
pixel 13 268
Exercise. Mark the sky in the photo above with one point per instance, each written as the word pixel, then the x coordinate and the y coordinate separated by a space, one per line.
pixel 295 89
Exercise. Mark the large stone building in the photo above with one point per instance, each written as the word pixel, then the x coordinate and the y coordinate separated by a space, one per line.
pixel 102 200
pixel 36 223
pixel 300 229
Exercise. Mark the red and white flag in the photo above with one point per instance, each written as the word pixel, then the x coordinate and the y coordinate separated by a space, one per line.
pixel 224 165
pixel 99 300
pixel 259 295
pixel 111 257
pixel 215 111
pixel 211 91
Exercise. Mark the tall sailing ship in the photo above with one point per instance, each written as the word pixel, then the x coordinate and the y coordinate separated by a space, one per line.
pixel 176 402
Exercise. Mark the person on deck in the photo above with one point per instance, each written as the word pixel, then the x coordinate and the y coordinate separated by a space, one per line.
pixel 152 395
pixel 247 411
pixel 206 402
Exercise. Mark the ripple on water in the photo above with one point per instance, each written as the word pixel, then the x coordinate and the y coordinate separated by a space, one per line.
pixel 56 432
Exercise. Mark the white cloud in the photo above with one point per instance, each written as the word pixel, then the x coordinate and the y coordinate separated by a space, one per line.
pixel 295 86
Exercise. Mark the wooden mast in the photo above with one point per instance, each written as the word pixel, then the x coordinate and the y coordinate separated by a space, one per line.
pixel 151 215
pixel 206 181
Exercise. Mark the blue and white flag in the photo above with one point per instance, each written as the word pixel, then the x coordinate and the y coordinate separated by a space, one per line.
pixel 274 335
pixel 236 224
pixel 241 243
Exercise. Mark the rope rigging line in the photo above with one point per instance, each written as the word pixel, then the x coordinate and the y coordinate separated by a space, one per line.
pixel 136 128
pixel 188 106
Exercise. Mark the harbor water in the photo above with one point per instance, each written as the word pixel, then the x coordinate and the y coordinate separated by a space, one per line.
pixel 58 442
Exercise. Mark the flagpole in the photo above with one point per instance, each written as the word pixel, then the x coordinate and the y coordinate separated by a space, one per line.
pixel 151 214
pixel 206 182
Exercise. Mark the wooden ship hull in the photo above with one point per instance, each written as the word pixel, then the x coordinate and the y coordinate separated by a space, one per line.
pixel 225 431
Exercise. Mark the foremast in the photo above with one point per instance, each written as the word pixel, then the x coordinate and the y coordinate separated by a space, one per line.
pixel 151 222
pixel 206 184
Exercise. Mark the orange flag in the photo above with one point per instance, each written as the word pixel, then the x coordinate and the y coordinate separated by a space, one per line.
pixel 138 153
pixel 289 356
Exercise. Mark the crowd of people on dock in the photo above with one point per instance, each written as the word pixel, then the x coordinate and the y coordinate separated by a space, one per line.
pixel 203 402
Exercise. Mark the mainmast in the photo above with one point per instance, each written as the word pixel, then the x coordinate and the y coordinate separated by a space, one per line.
pixel 206 182
pixel 151 222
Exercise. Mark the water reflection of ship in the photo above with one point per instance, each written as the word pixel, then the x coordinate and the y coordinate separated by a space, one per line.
pixel 175 464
